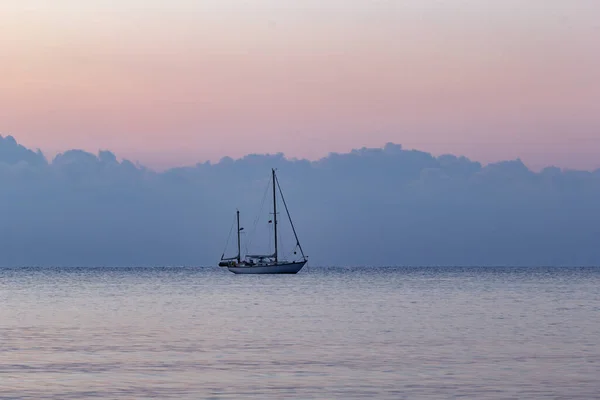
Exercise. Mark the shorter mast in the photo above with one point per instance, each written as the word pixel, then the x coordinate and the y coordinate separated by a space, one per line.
pixel 275 212
pixel 239 255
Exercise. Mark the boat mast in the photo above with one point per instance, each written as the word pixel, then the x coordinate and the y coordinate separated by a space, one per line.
pixel 275 213
pixel 239 255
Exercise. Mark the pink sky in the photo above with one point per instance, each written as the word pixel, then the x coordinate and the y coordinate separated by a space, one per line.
pixel 172 83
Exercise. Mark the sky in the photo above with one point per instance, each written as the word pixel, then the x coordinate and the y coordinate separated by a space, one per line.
pixel 178 82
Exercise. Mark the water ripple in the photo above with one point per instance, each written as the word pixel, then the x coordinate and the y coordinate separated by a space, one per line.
pixel 397 333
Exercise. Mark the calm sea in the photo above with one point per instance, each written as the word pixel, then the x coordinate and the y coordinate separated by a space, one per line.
pixel 326 333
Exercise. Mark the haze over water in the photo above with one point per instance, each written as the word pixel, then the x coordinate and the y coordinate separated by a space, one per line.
pixel 390 333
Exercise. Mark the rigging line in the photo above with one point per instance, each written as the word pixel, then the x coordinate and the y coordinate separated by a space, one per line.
pixel 228 238
pixel 271 251
pixel 250 237
pixel 290 218
pixel 291 254
pixel 280 245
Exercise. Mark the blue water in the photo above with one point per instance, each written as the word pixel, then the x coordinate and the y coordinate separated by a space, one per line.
pixel 387 333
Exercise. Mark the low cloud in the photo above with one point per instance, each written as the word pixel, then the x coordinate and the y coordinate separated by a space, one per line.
pixel 382 206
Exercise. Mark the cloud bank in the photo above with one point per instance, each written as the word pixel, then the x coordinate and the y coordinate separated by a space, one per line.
pixel 372 206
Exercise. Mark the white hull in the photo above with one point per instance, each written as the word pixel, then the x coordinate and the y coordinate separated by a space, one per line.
pixel 287 268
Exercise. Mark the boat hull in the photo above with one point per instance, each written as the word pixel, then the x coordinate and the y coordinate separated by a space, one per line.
pixel 284 268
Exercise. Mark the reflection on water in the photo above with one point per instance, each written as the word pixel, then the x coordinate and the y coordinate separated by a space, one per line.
pixel 188 333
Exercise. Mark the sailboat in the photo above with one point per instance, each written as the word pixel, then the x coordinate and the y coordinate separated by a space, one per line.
pixel 266 263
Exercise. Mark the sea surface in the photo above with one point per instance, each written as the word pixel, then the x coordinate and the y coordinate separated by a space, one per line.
pixel 326 333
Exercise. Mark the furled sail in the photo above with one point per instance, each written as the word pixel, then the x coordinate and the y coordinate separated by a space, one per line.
pixel 260 255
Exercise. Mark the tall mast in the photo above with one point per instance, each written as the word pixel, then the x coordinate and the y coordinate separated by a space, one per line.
pixel 239 255
pixel 275 212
